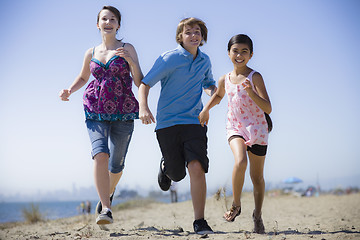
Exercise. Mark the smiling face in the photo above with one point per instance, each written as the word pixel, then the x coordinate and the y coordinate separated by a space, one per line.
pixel 240 54
pixel 108 22
pixel 191 37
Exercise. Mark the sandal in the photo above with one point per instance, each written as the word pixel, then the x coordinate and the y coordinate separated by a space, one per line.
pixel 233 213
pixel 258 224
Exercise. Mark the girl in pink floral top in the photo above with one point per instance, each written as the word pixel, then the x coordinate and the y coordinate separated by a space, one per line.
pixel 247 126
pixel 110 105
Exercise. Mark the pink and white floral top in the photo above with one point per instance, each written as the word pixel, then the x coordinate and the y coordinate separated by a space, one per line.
pixel 244 117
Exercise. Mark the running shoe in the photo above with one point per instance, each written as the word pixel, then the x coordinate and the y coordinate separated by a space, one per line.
pixel 99 205
pixel 105 217
pixel 201 227
pixel 163 180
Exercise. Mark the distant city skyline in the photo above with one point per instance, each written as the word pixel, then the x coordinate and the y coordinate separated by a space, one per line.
pixel 89 193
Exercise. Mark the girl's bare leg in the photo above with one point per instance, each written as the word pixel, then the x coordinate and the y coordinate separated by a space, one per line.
pixel 114 180
pixel 257 178
pixel 238 148
pixel 102 179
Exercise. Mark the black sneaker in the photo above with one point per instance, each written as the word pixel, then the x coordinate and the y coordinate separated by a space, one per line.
pixel 163 180
pixel 105 217
pixel 201 227
pixel 99 205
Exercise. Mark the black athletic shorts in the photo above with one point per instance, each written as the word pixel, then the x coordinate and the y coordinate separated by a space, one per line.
pixel 181 144
pixel 258 150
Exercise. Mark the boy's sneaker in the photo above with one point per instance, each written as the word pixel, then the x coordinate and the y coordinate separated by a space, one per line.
pixel 163 180
pixel 105 217
pixel 201 227
pixel 99 205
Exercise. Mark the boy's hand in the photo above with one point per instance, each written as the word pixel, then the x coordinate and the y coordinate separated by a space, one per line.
pixel 203 117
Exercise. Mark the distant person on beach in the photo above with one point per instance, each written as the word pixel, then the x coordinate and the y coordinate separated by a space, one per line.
pixel 173 192
pixel 82 207
pixel 247 124
pixel 110 105
pixel 183 72
pixel 88 207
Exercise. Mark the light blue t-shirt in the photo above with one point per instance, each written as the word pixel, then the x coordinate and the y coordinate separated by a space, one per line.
pixel 182 82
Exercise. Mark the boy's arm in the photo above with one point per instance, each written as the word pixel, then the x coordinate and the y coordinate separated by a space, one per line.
pixel 209 82
pixel 159 71
pixel 210 90
pixel 145 114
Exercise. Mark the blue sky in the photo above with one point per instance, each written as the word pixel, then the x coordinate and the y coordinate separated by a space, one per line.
pixel 307 51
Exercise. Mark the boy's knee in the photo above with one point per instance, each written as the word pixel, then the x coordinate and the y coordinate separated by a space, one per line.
pixel 176 176
pixel 195 168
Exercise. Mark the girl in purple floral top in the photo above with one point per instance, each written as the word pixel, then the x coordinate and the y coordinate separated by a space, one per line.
pixel 109 104
pixel 109 96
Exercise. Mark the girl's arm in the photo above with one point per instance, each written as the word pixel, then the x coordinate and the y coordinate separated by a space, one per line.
pixel 260 97
pixel 215 99
pixel 129 53
pixel 80 80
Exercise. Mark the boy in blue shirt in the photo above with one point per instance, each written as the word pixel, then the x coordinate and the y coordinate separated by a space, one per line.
pixel 183 72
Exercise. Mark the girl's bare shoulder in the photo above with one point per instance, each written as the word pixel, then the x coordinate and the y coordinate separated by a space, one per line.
pixel 88 54
pixel 257 75
pixel 127 46
pixel 221 81
pixel 222 78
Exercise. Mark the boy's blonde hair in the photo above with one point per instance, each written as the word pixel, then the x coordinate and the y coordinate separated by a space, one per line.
pixel 191 22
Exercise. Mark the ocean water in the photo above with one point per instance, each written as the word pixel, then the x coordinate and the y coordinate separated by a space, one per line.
pixel 12 212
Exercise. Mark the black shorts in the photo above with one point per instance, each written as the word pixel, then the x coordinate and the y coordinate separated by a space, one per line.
pixel 258 150
pixel 181 144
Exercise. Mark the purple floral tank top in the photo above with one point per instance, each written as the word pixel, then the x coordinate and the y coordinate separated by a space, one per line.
pixel 109 96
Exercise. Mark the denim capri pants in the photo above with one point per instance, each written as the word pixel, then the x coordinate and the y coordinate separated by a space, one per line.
pixel 112 138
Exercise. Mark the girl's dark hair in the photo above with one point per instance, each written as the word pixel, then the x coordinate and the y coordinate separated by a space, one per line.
pixel 269 122
pixel 113 10
pixel 241 38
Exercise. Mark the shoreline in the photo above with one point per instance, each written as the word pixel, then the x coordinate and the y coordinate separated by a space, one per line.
pixel 285 217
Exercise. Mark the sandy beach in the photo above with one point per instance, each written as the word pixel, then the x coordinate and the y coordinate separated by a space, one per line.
pixel 285 217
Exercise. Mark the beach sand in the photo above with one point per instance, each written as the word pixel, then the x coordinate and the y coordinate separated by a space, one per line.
pixel 285 217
